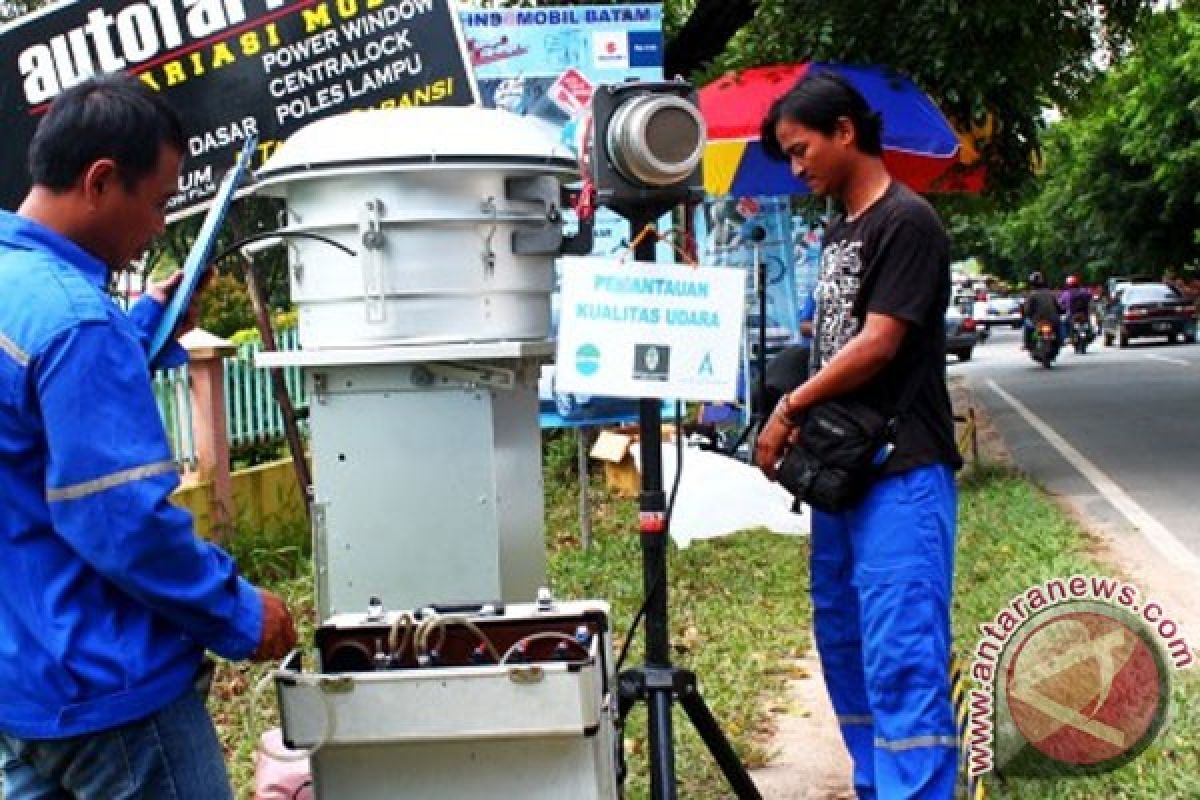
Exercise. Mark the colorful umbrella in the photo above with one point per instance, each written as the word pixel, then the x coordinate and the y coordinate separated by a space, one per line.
pixel 919 144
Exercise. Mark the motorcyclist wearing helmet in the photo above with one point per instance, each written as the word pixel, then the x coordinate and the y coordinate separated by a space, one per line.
pixel 1076 301
pixel 1040 306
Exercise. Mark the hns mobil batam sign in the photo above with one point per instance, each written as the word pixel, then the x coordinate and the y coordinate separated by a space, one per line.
pixel 233 68
pixel 649 330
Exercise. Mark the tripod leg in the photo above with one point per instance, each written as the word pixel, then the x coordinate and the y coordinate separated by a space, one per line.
pixel 714 738
pixel 662 754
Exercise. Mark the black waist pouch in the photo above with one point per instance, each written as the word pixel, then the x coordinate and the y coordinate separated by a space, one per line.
pixel 843 445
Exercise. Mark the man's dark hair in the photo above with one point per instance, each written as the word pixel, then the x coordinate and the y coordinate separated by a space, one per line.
pixel 111 116
pixel 818 101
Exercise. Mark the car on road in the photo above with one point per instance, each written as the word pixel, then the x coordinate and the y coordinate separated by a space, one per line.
pixel 1108 293
pixel 1003 311
pixel 961 332
pixel 1139 310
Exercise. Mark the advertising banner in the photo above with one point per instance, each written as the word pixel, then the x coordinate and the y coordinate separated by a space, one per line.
pixel 750 230
pixel 233 68
pixel 545 62
pixel 650 330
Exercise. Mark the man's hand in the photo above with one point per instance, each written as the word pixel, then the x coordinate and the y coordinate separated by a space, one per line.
pixel 162 292
pixel 278 631
pixel 776 436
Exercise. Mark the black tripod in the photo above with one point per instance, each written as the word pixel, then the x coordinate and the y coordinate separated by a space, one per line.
pixel 657 682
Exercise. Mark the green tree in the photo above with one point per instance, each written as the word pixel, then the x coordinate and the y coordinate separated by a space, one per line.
pixel 225 307
pixel 1119 191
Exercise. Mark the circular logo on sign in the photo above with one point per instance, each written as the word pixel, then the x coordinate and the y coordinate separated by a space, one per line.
pixel 1086 687
pixel 587 359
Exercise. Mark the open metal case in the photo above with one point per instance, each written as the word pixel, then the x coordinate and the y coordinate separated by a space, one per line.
pixel 460 726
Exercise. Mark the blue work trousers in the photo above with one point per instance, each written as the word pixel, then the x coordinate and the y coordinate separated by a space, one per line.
pixel 173 754
pixel 881 590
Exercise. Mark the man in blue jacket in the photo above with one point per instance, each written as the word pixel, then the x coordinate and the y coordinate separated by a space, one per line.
pixel 109 599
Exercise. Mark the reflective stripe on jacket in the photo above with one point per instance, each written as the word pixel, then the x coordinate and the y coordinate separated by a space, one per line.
pixel 108 599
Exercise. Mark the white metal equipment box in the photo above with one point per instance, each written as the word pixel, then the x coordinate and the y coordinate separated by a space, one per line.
pixel 543 728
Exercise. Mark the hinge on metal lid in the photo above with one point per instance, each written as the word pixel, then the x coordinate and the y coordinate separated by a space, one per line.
pixel 370 228
pixel 526 674
pixel 477 374
pixel 336 685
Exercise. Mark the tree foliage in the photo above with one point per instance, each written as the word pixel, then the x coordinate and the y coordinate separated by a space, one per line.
pixel 1121 185
pixel 225 307
pixel 1010 58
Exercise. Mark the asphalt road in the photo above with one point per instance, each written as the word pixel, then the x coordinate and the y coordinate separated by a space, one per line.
pixel 1127 426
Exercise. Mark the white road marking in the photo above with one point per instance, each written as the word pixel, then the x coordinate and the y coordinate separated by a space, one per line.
pixel 1155 532
pixel 1168 359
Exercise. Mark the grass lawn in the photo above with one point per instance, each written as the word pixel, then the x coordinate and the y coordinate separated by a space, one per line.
pixel 740 613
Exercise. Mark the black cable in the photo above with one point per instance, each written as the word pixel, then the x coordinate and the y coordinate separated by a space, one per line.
pixel 637 618
pixel 258 237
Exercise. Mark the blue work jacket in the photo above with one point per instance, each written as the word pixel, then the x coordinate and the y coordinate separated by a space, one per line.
pixel 108 599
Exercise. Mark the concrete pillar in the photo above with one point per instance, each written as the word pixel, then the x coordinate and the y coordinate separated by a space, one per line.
pixel 209 427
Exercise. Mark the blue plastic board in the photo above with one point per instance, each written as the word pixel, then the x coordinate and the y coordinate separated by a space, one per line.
pixel 197 263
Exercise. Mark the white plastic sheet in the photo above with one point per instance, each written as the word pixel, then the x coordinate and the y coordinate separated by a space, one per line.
pixel 719 495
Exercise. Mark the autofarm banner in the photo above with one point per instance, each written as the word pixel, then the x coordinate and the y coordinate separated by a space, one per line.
pixel 233 68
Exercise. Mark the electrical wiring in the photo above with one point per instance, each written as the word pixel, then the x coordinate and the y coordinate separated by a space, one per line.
pixel 641 613
pixel 438 623
pixel 396 647
pixel 279 234
pixel 542 636
pixel 328 721
pixel 651 230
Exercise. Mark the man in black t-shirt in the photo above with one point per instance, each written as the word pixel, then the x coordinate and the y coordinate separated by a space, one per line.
pixel 882 572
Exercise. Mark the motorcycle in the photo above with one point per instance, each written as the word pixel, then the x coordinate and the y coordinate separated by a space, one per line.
pixel 1045 344
pixel 1082 333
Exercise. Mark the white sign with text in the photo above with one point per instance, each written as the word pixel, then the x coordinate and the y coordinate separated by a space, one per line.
pixel 637 329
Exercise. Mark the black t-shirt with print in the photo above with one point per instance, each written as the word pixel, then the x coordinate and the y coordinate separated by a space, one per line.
pixel 899 254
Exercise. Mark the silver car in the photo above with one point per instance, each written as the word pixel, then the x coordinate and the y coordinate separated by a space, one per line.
pixel 962 334
pixel 1004 311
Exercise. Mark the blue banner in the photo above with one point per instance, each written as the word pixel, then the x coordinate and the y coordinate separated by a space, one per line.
pixel 545 62
pixel 745 231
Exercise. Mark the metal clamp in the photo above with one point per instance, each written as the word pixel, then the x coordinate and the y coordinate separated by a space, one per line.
pixel 370 228
pixel 546 238
pixel 320 388
pixel 488 207
pixel 320 537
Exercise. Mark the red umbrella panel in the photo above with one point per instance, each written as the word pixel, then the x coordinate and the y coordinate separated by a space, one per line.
pixel 919 144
